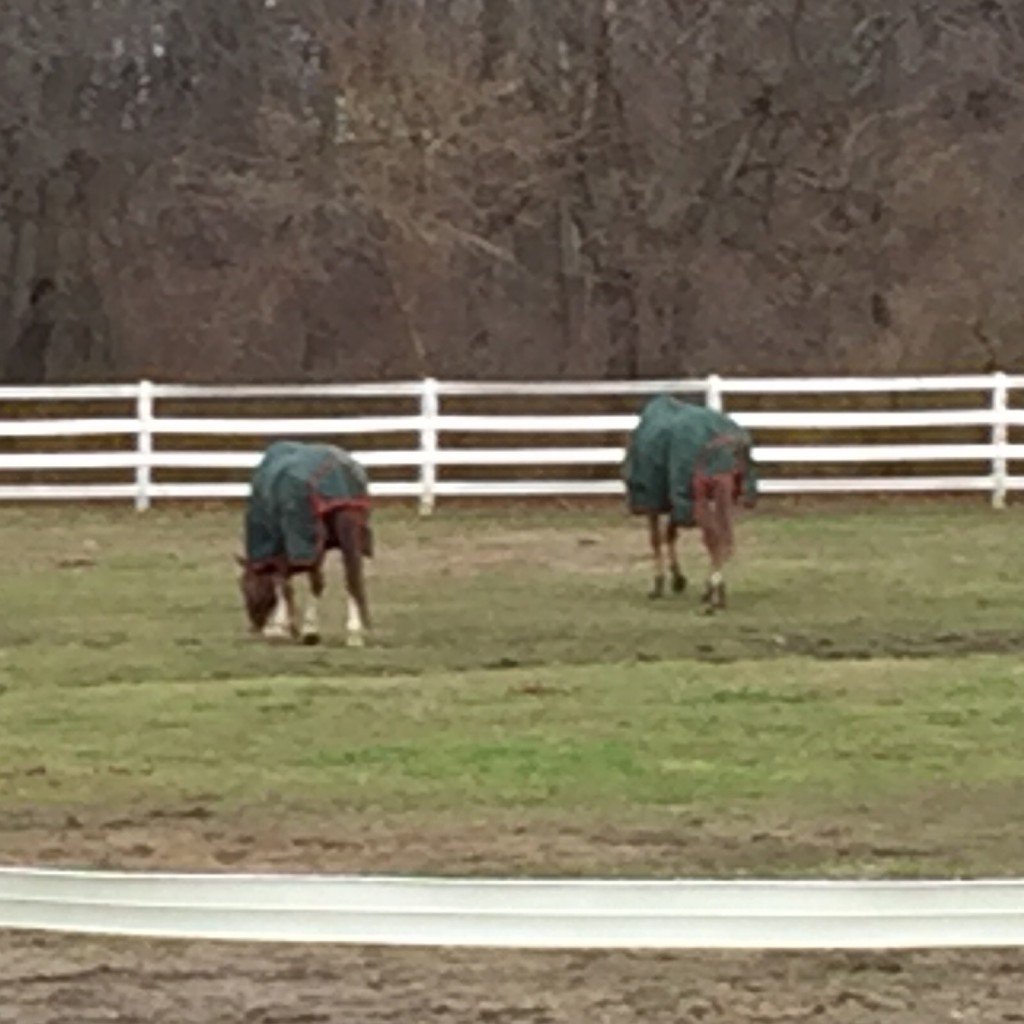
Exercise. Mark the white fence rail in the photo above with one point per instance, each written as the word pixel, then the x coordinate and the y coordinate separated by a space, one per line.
pixel 431 450
pixel 525 914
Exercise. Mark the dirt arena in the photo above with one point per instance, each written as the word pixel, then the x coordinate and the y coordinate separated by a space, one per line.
pixel 81 981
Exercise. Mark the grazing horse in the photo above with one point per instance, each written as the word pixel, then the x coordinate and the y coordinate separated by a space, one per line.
pixel 305 499
pixel 690 464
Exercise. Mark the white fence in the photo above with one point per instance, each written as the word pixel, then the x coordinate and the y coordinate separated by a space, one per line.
pixel 525 914
pixel 432 450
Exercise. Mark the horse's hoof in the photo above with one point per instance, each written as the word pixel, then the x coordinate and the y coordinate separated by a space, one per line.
pixel 678 584
pixel 310 639
pixel 355 640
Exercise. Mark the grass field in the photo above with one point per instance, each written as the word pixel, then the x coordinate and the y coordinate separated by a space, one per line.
pixel 522 707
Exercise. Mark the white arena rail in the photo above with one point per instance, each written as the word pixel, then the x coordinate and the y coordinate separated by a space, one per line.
pixel 524 914
pixel 140 449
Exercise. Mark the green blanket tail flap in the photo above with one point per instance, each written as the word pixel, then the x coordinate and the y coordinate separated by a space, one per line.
pixel 291 489
pixel 675 441
pixel 646 467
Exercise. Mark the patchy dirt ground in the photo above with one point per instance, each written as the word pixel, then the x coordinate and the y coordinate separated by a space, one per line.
pixel 977 832
pixel 45 980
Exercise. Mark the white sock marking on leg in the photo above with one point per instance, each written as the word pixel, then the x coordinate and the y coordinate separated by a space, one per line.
pixel 311 620
pixel 278 626
pixel 355 624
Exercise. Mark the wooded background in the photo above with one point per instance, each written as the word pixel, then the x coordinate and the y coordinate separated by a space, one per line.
pixel 253 190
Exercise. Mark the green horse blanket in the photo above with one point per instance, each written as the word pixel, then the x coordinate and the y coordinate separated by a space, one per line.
pixel 676 445
pixel 294 486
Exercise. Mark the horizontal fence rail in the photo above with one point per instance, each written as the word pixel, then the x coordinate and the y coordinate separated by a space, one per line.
pixel 525 914
pixel 436 439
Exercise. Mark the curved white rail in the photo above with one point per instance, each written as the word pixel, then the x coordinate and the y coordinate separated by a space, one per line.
pixel 579 914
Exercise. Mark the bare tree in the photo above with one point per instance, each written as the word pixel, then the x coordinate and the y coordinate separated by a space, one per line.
pixel 314 188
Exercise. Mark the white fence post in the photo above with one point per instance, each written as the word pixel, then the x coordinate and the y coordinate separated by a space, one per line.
pixel 1000 402
pixel 144 444
pixel 714 392
pixel 429 409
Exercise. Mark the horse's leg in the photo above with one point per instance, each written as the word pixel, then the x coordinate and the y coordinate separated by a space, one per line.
pixel 358 619
pixel 654 530
pixel 347 531
pixel 354 624
pixel 293 608
pixel 724 509
pixel 714 589
pixel 678 579
pixel 311 619
pixel 717 530
pixel 709 535
pixel 279 626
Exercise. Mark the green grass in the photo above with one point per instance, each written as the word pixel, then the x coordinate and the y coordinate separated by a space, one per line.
pixel 594 738
pixel 860 678
pixel 467 591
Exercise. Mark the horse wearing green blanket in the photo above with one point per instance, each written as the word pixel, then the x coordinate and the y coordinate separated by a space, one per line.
pixel 304 500
pixel 691 465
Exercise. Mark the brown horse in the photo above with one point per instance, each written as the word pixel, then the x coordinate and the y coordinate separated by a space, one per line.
pixel 269 594
pixel 306 500
pixel 687 466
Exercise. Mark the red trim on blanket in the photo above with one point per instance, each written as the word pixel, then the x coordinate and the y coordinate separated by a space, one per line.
pixel 319 507
pixel 738 474
pixel 703 484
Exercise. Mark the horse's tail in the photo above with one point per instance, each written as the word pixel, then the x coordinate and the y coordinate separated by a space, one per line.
pixel 723 502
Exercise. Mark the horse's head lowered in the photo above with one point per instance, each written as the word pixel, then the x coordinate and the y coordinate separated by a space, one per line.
pixel 258 594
